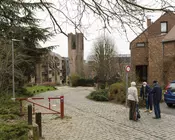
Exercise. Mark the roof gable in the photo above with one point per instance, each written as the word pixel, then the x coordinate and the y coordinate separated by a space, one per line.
pixel 170 36
pixel 146 30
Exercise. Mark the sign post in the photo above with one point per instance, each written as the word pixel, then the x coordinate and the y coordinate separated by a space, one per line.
pixel 127 68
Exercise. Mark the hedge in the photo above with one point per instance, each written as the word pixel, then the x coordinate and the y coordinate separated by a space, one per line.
pixel 99 95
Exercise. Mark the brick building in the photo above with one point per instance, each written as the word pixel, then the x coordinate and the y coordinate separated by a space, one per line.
pixel 49 70
pixel 65 69
pixel 153 51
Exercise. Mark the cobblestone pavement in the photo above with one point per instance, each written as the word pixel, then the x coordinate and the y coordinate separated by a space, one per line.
pixel 90 120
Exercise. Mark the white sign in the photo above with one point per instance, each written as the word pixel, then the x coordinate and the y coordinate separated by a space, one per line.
pixel 128 68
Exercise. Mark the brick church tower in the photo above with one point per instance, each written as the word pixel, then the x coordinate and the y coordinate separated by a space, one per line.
pixel 76 53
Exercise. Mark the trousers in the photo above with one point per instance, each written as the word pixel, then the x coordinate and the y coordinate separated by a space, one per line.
pixel 132 109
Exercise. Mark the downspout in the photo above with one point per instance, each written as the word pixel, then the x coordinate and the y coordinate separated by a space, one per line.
pixel 163 74
pixel 131 73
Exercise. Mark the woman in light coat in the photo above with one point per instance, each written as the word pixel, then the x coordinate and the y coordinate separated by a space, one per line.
pixel 132 100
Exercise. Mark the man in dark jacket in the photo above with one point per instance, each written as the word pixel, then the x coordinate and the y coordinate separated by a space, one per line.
pixel 157 96
pixel 145 95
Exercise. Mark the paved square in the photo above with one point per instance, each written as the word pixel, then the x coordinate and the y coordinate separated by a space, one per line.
pixel 90 120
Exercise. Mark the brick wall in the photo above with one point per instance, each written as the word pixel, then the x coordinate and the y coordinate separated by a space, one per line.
pixel 169 61
pixel 139 55
pixel 155 59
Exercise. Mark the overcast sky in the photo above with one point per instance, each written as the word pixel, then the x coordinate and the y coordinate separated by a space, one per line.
pixel 94 31
pixel 122 45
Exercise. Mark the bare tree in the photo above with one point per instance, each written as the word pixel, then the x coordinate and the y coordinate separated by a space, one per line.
pixel 122 61
pixel 115 14
pixel 103 57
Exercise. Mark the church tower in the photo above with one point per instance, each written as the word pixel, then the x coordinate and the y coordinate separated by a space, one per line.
pixel 76 53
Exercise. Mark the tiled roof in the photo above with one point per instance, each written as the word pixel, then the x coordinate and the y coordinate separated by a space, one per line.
pixel 170 36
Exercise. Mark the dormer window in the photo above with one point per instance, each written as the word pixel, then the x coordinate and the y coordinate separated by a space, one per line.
pixel 164 27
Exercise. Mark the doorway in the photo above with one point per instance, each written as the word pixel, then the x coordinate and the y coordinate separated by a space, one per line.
pixel 141 73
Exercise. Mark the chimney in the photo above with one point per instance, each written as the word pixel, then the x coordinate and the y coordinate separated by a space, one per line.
pixel 148 22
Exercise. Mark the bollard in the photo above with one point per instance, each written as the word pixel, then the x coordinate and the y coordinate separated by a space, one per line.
pixel 33 108
pixel 49 103
pixel 38 122
pixel 35 132
pixel 62 106
pixel 29 114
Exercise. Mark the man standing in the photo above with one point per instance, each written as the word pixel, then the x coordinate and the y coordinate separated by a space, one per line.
pixel 145 95
pixel 157 96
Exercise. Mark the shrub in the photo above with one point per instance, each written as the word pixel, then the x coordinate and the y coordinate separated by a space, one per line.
pixel 99 95
pixel 85 82
pixel 90 82
pixel 74 80
pixel 102 86
pixel 120 97
pixel 23 92
pixel 14 131
pixel 8 109
pixel 116 88
pixel 8 117
pixel 81 82
pixel 10 127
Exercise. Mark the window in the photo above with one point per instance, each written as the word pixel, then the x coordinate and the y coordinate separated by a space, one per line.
pixel 73 43
pixel 141 44
pixel 164 27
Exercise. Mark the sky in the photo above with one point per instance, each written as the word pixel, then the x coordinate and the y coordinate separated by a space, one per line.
pixel 122 45
pixel 93 32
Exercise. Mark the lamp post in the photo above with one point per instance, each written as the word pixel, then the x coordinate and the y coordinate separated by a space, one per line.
pixel 13 69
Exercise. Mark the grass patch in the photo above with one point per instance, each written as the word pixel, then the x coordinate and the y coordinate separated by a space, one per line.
pixel 39 89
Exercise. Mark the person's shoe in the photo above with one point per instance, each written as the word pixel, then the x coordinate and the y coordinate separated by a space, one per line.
pixel 155 118
pixel 150 111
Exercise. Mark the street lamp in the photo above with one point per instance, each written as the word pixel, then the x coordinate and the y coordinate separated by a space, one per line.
pixel 13 69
